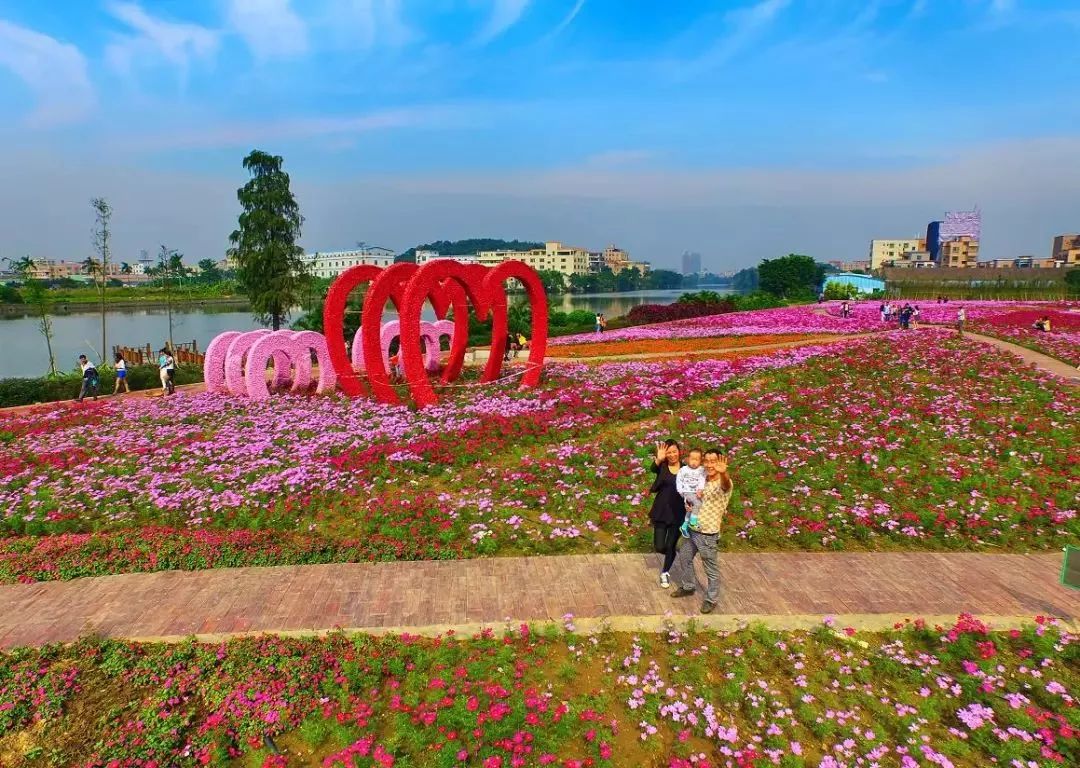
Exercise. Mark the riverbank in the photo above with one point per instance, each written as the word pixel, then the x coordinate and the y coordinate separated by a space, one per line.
pixel 66 307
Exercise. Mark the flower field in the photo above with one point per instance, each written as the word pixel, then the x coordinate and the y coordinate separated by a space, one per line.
pixel 903 440
pixel 1062 341
pixel 954 697
pixel 603 348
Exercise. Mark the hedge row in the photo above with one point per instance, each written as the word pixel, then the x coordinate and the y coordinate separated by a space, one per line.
pixel 65 386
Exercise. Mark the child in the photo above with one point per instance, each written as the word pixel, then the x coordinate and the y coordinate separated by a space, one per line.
pixel 690 482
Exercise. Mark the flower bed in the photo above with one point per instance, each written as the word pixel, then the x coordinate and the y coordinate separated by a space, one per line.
pixel 604 348
pixel 988 443
pixel 1061 341
pixel 948 696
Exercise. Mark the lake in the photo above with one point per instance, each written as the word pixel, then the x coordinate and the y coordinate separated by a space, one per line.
pixel 75 334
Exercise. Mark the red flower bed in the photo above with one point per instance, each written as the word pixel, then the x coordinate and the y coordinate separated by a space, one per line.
pixel 680 310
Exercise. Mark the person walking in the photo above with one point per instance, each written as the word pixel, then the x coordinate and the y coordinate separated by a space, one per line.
pixel 598 322
pixel 668 508
pixel 170 370
pixel 163 370
pixel 961 316
pixel 90 381
pixel 121 374
pixel 705 536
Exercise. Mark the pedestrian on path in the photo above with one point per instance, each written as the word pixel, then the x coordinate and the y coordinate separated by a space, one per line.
pixel 704 537
pixel 90 381
pixel 961 316
pixel 121 374
pixel 163 371
pixel 668 508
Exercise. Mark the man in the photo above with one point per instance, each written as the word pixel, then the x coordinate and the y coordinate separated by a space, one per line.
pixel 704 538
pixel 89 379
pixel 961 316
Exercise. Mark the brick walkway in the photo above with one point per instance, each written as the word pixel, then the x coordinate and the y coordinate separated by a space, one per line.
pixel 869 590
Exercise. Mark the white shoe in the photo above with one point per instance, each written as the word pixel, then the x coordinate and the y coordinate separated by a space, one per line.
pixel 664 583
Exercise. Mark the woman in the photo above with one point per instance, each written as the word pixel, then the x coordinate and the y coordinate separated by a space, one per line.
pixel 668 510
pixel 121 374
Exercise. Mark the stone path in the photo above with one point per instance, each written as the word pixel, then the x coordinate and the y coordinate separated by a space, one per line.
pixel 786 590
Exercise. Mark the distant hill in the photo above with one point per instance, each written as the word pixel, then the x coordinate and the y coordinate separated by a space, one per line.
pixel 472 245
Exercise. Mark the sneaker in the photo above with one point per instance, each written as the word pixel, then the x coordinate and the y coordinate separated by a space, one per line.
pixel 680 592
pixel 664 581
pixel 684 529
pixel 708 607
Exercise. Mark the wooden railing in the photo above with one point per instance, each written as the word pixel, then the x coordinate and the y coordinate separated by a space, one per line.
pixel 184 354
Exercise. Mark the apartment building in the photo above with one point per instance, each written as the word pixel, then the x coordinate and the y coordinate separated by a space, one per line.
pixel 330 264
pixel 883 253
pixel 1066 250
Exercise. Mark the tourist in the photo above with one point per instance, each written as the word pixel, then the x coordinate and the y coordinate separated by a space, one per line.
pixel 170 370
pixel 90 381
pixel 121 374
pixel 915 317
pixel 163 370
pixel 689 482
pixel 821 298
pixel 883 309
pixel 396 369
pixel 598 318
pixel 511 346
pixel 668 508
pixel 845 310
pixel 961 316
pixel 523 343
pixel 705 536
pixel 603 322
pixel 905 317
pixel 1042 324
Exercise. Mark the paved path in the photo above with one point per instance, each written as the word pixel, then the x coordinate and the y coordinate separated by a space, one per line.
pixel 1043 362
pixel 786 590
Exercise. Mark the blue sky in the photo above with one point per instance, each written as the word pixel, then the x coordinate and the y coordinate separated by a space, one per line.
pixel 738 129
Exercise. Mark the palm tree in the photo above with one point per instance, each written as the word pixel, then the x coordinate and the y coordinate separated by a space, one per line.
pixel 21 267
pixel 125 268
pixel 89 265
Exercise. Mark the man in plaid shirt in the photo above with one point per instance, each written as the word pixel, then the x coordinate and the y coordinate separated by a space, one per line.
pixel 704 537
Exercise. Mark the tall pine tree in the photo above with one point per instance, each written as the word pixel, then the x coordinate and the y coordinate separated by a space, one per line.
pixel 269 263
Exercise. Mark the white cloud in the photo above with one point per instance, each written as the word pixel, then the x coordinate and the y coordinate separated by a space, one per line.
pixel 567 20
pixel 270 27
pixel 335 129
pixel 176 42
pixel 54 72
pixel 504 14
pixel 744 25
pixel 369 22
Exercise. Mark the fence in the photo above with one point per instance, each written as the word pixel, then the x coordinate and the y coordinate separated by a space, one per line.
pixel 184 354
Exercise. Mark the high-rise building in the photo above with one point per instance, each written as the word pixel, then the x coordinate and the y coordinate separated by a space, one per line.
pixel 956 243
pixel 691 263
pixel 1066 250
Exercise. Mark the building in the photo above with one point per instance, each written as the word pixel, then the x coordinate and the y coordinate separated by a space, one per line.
pixel 330 264
pixel 553 256
pixel 1066 250
pixel 954 241
pixel 423 257
pixel 616 259
pixel 883 253
pixel 1020 262
pixel 851 266
pixel 864 283
pixel 691 263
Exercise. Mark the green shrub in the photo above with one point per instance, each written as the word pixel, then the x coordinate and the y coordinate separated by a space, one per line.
pixel 47 389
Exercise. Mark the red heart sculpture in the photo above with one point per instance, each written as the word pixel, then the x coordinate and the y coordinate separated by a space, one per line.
pixel 446 284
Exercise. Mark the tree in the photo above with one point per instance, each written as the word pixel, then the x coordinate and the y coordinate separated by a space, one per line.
pixel 170 265
pixel 745 280
pixel 37 294
pixel 209 272
pixel 125 268
pixel 554 281
pixel 102 234
pixel 1072 280
pixel 792 276
pixel 269 265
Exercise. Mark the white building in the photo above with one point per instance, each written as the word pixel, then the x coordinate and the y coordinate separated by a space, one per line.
pixel 330 264
pixel 423 257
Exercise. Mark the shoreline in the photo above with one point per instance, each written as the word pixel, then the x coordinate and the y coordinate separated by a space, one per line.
pixel 81 307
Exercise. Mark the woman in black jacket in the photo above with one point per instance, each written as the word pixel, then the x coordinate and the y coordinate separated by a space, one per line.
pixel 668 509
